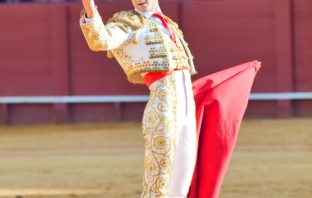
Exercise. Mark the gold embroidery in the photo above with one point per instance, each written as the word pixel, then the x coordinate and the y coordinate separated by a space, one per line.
pixel 159 134
pixel 133 68
pixel 153 27
pixel 160 46
pixel 131 18
pixel 179 56
pixel 155 38
pixel 121 26
pixel 136 38
pixel 110 54
pixel 122 56
pixel 146 66
pixel 158 52
pixel 92 36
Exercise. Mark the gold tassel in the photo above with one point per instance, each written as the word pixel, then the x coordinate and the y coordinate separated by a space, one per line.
pixel 136 38
pixel 110 54
pixel 82 12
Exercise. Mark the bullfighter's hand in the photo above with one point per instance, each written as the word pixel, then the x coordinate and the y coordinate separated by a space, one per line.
pixel 89 7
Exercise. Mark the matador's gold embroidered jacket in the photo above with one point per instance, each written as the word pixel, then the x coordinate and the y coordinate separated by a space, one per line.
pixel 138 45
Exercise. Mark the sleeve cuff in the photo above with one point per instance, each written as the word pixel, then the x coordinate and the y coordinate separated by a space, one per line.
pixel 88 20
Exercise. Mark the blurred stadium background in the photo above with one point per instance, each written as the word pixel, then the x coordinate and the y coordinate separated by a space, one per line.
pixel 49 75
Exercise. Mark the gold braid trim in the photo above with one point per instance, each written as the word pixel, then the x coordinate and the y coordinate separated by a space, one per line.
pixel 175 25
pixel 131 18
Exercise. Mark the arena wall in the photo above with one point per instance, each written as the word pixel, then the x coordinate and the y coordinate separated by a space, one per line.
pixel 43 53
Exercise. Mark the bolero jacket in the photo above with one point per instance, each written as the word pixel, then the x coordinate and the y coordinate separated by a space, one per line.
pixel 137 44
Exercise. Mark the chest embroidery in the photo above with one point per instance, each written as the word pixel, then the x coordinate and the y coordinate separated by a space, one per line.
pixel 154 36
pixel 152 27
pixel 159 52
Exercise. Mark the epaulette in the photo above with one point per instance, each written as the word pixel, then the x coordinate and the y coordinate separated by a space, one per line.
pixel 175 25
pixel 131 18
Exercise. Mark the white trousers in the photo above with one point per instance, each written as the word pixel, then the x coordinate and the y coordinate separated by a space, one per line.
pixel 169 131
pixel 185 156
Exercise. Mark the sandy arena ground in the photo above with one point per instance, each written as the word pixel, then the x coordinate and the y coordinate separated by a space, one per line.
pixel 272 159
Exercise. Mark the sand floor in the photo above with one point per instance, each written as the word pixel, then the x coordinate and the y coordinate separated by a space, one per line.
pixel 272 159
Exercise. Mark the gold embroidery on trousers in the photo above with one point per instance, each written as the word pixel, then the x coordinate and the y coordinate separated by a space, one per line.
pixel 159 133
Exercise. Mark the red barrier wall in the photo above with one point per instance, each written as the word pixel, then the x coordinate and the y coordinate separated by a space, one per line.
pixel 43 52
pixel 302 27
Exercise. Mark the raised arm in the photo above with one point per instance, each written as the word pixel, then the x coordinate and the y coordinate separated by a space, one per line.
pixel 100 37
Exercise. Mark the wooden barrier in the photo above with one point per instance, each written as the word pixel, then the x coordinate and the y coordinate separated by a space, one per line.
pixel 43 53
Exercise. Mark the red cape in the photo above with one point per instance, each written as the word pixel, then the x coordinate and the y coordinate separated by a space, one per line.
pixel 221 100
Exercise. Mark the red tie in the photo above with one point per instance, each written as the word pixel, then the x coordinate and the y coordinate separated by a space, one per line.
pixel 166 25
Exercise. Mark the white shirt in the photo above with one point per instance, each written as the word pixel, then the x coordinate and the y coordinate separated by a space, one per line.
pixel 149 15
